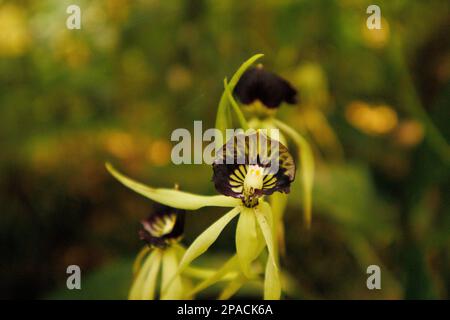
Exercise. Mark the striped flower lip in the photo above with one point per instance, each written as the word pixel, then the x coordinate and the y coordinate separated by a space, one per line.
pixel 257 84
pixel 163 227
pixel 252 165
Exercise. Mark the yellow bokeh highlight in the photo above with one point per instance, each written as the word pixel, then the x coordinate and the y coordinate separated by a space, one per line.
pixel 72 50
pixel 409 133
pixel 376 38
pixel 371 119
pixel 159 153
pixel 312 83
pixel 178 78
pixel 14 34
pixel 120 144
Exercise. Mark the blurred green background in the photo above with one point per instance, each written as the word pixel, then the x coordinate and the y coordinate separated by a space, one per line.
pixel 374 105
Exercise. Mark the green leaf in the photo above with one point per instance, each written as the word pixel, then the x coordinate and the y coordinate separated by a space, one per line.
pixel 272 286
pixel 306 167
pixel 223 119
pixel 174 198
pixel 207 238
pixel 247 242
pixel 169 270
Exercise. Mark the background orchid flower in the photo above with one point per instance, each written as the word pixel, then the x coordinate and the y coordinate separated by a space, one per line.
pixel 161 231
pixel 262 92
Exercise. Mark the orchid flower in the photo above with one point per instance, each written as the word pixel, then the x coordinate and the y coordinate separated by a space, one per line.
pixel 162 232
pixel 243 185
pixel 260 93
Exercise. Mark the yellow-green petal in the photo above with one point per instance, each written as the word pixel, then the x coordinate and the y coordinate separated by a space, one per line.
pixel 138 281
pixel 267 211
pixel 207 238
pixel 138 261
pixel 272 286
pixel 206 273
pixel 223 120
pixel 306 167
pixel 247 242
pixel 232 287
pixel 228 267
pixel 143 286
pixel 148 290
pixel 236 109
pixel 174 198
pixel 169 270
pixel 278 202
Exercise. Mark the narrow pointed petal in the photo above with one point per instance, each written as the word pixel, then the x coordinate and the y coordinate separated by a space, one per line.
pixel 266 230
pixel 138 262
pixel 169 270
pixel 187 287
pixel 247 242
pixel 148 290
pixel 306 167
pixel 173 198
pixel 236 109
pixel 140 281
pixel 229 267
pixel 267 211
pixel 205 273
pixel 278 202
pixel 232 288
pixel 272 286
pixel 179 249
pixel 223 120
pixel 207 238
